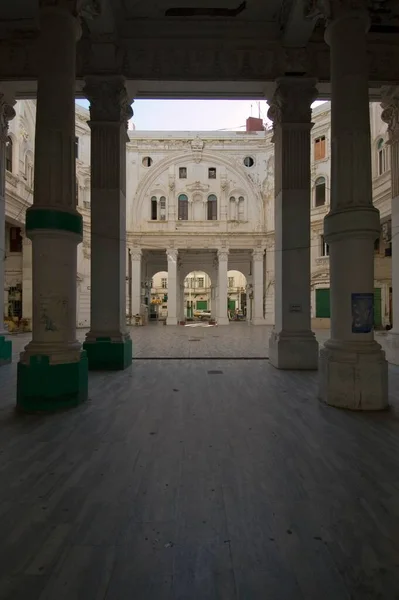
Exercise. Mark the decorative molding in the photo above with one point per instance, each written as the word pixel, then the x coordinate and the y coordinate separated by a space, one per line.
pixel 223 254
pixel 390 112
pixel 135 254
pixel 332 9
pixel 108 99
pixel 258 253
pixel 7 113
pixel 197 186
pixel 87 9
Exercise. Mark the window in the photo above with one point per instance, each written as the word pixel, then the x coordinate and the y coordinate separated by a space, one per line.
pixel 183 207
pixel 231 282
pixel 212 173
pixel 212 208
pixel 241 208
pixel 233 215
pixel 9 154
pixel 325 248
pixel 147 161
pixel 76 147
pixel 154 208
pixel 249 161
pixel 182 173
pixel 320 147
pixel 320 192
pixel 200 282
pixel 162 206
pixel 164 283
pixel 382 151
pixel 15 239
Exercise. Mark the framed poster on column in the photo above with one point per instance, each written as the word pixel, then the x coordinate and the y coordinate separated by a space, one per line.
pixel 362 313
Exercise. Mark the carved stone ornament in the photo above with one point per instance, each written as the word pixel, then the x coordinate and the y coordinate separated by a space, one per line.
pixel 224 182
pixel 7 113
pixel 223 254
pixel 108 99
pixel 390 112
pixel 135 254
pixel 332 9
pixel 258 253
pixel 172 182
pixel 292 101
pixel 197 186
pixel 197 146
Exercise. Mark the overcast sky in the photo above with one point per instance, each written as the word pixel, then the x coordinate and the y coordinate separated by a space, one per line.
pixel 194 115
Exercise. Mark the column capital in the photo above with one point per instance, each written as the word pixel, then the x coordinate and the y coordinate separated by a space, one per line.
pixel 258 253
pixel 135 253
pixel 390 111
pixel 108 99
pixel 292 100
pixel 332 10
pixel 172 254
pixel 7 113
pixel 223 254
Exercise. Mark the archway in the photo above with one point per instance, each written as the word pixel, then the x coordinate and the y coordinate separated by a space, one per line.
pixel 238 296
pixel 158 297
pixel 198 301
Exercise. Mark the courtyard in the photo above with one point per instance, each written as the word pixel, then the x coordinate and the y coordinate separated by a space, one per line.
pixel 214 478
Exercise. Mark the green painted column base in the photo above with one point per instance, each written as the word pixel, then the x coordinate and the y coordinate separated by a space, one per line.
pixel 42 387
pixel 106 355
pixel 5 351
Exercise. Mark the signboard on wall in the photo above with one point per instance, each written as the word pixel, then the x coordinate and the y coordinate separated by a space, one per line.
pixel 362 313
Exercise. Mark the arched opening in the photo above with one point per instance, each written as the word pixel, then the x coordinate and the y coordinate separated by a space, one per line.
pixel 320 192
pixel 154 208
pixel 237 296
pixel 158 298
pixel 382 157
pixel 9 154
pixel 198 301
pixel 183 207
pixel 212 208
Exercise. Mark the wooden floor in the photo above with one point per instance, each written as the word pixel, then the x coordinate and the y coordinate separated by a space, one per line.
pixel 199 479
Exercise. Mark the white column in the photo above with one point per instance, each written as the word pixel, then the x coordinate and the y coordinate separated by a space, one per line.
pixel 172 286
pixel 221 314
pixel 52 372
pixel 390 114
pixel 292 344
pixel 108 342
pixel 258 267
pixel 6 114
pixel 353 369
pixel 135 257
pixel 27 281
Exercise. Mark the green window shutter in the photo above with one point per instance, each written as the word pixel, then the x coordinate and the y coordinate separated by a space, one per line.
pixel 202 305
pixel 323 303
pixel 231 305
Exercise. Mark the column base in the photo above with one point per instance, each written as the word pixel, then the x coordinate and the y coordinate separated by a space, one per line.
pixel 391 347
pixel 258 321
pixel 5 351
pixel 46 387
pixel 353 375
pixel 294 350
pixel 222 321
pixel 104 354
pixel 171 320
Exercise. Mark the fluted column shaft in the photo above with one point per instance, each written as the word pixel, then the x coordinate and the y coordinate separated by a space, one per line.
pixel 292 344
pixel 108 343
pixel 353 370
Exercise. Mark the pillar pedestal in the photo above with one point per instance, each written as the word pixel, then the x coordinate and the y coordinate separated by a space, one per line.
pixel 108 344
pixel 353 369
pixel 7 113
pixel 52 372
pixel 292 344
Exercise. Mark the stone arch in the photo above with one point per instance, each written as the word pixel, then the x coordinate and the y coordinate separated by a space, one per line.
pixel 148 181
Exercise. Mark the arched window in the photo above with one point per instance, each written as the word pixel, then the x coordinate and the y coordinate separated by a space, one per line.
pixel 162 208
pixel 212 208
pixel 241 208
pixel 382 153
pixel 232 209
pixel 9 154
pixel 320 192
pixel 183 207
pixel 154 208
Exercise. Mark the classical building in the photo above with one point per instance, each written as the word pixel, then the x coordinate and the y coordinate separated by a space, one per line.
pixel 291 54
pixel 207 203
